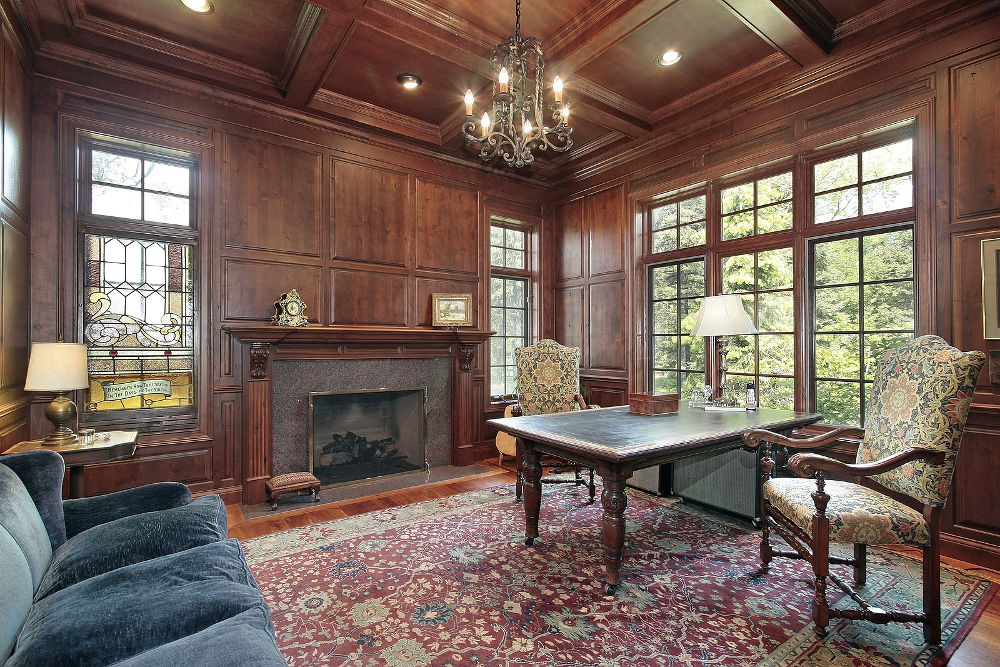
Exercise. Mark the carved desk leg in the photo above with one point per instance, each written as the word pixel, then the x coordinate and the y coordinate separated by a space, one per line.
pixel 614 501
pixel 532 470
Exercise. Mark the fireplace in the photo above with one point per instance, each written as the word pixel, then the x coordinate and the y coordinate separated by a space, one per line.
pixel 358 435
pixel 281 366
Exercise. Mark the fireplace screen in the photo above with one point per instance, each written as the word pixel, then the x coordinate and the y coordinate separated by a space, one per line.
pixel 362 434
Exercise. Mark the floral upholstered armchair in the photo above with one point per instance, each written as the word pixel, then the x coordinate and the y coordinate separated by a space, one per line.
pixel 548 382
pixel 920 399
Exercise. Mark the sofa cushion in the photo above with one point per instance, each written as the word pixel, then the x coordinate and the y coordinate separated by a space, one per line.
pixel 134 539
pixel 20 517
pixel 245 640
pixel 15 592
pixel 119 614
pixel 42 471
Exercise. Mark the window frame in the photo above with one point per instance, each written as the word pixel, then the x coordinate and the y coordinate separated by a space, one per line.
pixel 651 369
pixel 529 274
pixel 87 223
pixel 906 124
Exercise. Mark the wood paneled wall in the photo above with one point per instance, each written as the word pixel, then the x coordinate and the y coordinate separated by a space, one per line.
pixel 15 115
pixel 952 91
pixel 364 230
pixel 591 288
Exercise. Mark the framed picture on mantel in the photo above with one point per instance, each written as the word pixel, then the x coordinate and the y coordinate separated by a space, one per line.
pixel 451 310
pixel 991 289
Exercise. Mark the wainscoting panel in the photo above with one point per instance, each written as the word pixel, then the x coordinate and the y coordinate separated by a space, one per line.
pixel 273 196
pixel 447 234
pixel 569 240
pixel 371 214
pixel 367 297
pixel 250 288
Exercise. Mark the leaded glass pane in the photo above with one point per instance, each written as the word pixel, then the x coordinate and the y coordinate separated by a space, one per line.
pixel 139 329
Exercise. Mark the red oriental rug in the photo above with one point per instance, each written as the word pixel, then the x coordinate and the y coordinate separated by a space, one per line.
pixel 450 582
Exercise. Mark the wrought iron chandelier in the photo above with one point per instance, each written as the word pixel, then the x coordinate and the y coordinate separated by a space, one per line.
pixel 517 125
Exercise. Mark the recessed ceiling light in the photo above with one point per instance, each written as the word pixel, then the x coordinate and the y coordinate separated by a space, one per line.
pixel 199 6
pixel 407 80
pixel 668 58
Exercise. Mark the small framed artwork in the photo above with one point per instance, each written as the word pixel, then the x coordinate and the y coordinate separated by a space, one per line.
pixel 991 289
pixel 451 310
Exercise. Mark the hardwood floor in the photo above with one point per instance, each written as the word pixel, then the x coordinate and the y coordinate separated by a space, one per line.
pixel 981 647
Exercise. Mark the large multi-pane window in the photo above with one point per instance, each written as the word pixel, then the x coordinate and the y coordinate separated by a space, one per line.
pixel 863 305
pixel 864 183
pixel 677 358
pixel 678 224
pixel 138 283
pixel 828 291
pixel 757 207
pixel 764 281
pixel 509 290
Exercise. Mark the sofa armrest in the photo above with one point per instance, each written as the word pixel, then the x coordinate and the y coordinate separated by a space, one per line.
pixel 41 471
pixel 84 513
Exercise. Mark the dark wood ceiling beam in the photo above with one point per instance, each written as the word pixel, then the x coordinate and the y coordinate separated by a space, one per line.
pixel 296 55
pixel 570 52
pixel 800 29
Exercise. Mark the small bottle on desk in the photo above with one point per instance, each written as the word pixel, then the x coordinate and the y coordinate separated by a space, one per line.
pixel 751 397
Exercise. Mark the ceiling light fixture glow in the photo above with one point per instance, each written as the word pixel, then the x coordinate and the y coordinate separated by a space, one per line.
pixel 668 58
pixel 198 6
pixel 516 127
pixel 409 81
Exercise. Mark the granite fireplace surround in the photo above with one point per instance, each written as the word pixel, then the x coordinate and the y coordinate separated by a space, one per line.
pixel 281 365
pixel 293 381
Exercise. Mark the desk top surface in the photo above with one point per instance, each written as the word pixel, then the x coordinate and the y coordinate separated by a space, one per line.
pixel 615 434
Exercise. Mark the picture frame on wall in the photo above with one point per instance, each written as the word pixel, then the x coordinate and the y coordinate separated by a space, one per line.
pixel 991 288
pixel 451 310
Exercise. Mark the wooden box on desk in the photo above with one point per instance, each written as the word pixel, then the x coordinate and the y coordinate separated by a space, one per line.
pixel 652 404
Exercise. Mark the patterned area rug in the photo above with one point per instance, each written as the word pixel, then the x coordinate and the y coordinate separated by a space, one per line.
pixel 450 582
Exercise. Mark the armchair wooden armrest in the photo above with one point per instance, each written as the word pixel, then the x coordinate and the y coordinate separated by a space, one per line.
pixel 806 465
pixel 755 436
pixel 515 410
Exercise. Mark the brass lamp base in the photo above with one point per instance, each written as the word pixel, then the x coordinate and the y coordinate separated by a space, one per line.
pixel 61 411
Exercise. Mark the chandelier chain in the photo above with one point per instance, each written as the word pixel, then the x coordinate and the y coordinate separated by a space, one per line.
pixel 517 23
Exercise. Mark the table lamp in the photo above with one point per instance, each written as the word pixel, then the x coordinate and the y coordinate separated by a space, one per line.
pixel 59 368
pixel 720 317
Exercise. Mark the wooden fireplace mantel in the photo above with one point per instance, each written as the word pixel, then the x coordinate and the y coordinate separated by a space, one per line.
pixel 263 344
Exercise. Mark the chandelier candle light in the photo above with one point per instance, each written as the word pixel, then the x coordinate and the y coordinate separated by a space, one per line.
pixel 517 126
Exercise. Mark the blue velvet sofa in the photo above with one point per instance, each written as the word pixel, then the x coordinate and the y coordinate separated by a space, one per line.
pixel 144 576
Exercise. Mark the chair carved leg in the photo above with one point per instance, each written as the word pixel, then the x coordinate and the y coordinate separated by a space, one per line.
pixel 821 556
pixel 860 563
pixel 932 587
pixel 766 465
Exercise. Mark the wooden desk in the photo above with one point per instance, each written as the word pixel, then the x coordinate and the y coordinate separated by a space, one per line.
pixel 119 445
pixel 616 443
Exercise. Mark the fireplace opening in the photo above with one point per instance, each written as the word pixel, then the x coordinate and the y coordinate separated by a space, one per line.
pixel 358 435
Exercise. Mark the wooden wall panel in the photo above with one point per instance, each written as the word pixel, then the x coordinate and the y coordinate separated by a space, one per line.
pixel 16 134
pixel 371 213
pixel 606 230
pixel 569 240
pixel 366 297
pixel 569 316
pixel 250 288
pixel 975 506
pixel 975 138
pixel 605 326
pixel 426 287
pixel 272 196
pixel 14 301
pixel 447 228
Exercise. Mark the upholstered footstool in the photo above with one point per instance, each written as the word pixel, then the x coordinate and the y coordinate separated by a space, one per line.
pixel 281 485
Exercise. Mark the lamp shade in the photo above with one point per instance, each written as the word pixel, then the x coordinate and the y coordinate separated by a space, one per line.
pixel 57 367
pixel 722 315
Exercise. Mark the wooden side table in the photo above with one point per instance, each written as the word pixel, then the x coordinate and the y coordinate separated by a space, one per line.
pixel 119 445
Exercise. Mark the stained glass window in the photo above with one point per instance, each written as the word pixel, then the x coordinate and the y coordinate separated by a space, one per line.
pixel 138 323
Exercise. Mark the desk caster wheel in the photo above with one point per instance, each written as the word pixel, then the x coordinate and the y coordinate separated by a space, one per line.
pixel 528 541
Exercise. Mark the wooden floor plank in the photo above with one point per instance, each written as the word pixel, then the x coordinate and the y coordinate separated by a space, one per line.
pixel 980 648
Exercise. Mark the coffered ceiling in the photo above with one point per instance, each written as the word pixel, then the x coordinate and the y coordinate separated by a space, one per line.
pixel 339 59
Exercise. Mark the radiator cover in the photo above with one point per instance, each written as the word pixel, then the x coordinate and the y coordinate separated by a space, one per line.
pixel 726 480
